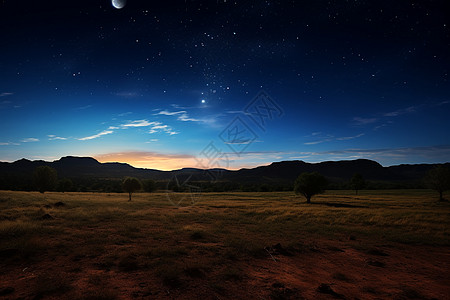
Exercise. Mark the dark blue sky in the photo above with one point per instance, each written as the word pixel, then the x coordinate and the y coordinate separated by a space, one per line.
pixel 225 83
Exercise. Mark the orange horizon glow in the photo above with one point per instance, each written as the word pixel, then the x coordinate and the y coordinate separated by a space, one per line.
pixel 150 160
pixel 162 162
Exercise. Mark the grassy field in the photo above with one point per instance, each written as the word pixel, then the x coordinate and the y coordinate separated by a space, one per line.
pixel 225 245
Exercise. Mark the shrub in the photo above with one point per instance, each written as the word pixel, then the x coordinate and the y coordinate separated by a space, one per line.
pixel 310 184
pixel 45 178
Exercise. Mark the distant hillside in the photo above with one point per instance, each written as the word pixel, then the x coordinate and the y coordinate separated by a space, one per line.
pixel 337 170
pixel 285 172
pixel 72 167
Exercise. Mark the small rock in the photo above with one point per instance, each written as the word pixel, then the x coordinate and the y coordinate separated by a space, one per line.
pixel 377 252
pixel 285 293
pixel 326 289
pixel 47 217
pixel 278 250
pixel 5 253
pixel 376 263
pixel 59 204
pixel 147 293
pixel 314 249
pixel 335 249
pixel 278 285
pixel 6 291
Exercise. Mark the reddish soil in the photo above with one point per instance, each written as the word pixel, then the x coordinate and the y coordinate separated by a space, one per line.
pixel 325 269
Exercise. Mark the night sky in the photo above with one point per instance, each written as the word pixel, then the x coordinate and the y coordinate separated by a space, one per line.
pixel 172 84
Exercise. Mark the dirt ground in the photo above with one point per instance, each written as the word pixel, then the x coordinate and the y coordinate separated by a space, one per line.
pixel 325 269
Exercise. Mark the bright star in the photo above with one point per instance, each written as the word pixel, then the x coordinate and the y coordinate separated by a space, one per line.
pixel 203 101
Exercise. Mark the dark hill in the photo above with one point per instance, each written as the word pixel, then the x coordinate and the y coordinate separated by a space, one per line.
pixel 284 172
pixel 343 170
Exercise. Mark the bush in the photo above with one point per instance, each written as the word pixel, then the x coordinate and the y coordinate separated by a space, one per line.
pixel 45 178
pixel 310 184
pixel 438 179
pixel 149 185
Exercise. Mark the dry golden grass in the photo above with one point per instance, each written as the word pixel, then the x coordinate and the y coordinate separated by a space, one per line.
pixel 149 234
pixel 405 215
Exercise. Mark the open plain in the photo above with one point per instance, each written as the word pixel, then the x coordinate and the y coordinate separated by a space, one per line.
pixel 375 245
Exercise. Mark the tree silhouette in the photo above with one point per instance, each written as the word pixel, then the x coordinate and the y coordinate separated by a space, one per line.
pixel 131 185
pixel 65 185
pixel 149 185
pixel 438 179
pixel 310 184
pixel 45 178
pixel 357 182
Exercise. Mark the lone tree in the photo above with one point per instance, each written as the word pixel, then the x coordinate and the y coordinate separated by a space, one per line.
pixel 131 185
pixel 65 185
pixel 357 182
pixel 149 185
pixel 45 178
pixel 438 179
pixel 310 184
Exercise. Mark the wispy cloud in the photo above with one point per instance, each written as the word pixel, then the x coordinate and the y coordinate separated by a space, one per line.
pixel 239 112
pixel 183 115
pixel 30 140
pixel 127 94
pixel 52 137
pixel 155 126
pixel 330 138
pixel 9 144
pixel 171 113
pixel 139 123
pixel 364 121
pixel 186 118
pixel 239 142
pixel 382 125
pixel 84 107
pixel 346 138
pixel 105 132
pixel 400 112
pixel 361 121
pixel 159 127
pixel 318 141
pixel 6 94
pixel 443 103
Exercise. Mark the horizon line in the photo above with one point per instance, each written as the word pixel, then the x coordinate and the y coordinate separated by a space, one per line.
pixel 218 168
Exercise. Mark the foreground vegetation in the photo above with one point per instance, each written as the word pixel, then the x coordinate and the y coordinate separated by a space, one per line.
pixel 206 238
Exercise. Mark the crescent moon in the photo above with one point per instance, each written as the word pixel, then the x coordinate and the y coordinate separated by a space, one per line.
pixel 119 3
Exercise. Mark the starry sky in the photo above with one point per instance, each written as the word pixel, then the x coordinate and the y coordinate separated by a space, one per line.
pixel 220 83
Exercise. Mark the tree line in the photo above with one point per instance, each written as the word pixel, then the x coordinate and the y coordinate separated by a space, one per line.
pixel 311 184
pixel 45 178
